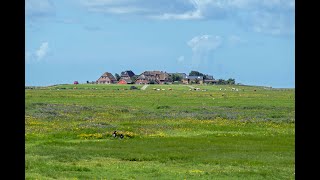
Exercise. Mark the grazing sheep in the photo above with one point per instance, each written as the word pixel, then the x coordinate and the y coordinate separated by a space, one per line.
pixel 190 89
pixel 220 89
pixel 114 134
pixel 237 89
pixel 158 89
pixel 163 89
pixel 154 88
pixel 233 89
pixel 170 89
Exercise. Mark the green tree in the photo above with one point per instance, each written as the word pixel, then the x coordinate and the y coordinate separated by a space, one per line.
pixel 231 81
pixel 221 81
pixel 117 76
pixel 195 73
pixel 176 77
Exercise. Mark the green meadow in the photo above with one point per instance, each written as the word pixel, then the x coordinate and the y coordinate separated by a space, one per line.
pixel 168 134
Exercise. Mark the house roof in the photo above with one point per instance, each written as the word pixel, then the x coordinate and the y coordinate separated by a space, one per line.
pixel 209 77
pixel 127 73
pixel 160 75
pixel 109 75
pixel 194 77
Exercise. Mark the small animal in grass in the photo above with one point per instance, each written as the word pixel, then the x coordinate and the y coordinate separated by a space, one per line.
pixel 121 136
pixel 114 134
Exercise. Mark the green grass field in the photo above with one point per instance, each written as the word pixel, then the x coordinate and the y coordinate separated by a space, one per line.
pixel 169 134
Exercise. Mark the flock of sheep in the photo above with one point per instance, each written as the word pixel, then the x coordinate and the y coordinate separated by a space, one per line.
pixel 196 89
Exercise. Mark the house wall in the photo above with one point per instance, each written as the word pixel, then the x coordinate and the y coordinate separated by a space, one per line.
pixel 104 80
pixel 140 81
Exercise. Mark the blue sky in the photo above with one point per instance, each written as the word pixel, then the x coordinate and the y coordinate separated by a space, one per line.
pixel 249 40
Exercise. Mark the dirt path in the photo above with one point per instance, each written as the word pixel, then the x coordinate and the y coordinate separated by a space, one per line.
pixel 144 87
pixel 191 87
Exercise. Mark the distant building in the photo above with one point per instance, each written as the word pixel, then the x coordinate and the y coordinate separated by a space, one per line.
pixel 192 79
pixel 127 74
pixel 106 78
pixel 155 77
pixel 210 80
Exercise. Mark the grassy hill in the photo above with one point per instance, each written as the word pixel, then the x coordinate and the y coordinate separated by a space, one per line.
pixel 168 134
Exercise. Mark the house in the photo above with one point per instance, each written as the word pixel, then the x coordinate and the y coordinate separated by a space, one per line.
pixel 125 77
pixel 106 78
pixel 153 77
pixel 127 74
pixel 209 80
pixel 142 80
pixel 192 79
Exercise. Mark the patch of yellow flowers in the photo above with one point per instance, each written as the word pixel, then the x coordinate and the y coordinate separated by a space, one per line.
pixel 91 136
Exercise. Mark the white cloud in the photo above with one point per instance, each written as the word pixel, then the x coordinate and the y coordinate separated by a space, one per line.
pixel 38 54
pixel 201 47
pixel 204 43
pixel 39 8
pixel 207 9
pixel 42 51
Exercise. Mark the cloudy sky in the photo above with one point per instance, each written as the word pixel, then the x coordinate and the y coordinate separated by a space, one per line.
pixel 249 40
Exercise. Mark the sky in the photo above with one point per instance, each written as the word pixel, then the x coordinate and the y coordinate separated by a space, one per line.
pixel 252 41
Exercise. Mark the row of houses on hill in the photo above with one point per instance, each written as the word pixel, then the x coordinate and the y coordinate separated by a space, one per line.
pixel 152 77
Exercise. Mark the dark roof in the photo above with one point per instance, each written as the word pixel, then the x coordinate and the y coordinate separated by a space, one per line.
pixel 209 77
pixel 194 77
pixel 127 73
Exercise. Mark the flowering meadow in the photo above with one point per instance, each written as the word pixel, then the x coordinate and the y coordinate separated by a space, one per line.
pixel 175 132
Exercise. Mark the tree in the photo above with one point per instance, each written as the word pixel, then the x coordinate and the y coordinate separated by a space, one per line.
pixel 221 81
pixel 176 77
pixel 117 76
pixel 88 82
pixel 195 73
pixel 231 81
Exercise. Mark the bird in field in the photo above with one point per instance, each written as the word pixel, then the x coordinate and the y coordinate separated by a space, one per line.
pixel 121 136
pixel 114 134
